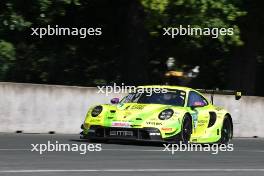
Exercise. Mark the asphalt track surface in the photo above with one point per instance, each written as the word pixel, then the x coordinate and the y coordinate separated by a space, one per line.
pixel 125 158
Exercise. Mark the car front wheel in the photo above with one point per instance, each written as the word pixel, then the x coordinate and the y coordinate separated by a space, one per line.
pixel 186 129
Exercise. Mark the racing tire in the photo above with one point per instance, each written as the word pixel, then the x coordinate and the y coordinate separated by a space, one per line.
pixel 226 131
pixel 186 132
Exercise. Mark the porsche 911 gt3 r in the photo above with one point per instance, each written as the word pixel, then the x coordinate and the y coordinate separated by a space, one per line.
pixel 180 114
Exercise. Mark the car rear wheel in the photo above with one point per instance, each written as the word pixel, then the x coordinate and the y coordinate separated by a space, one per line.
pixel 226 132
pixel 186 129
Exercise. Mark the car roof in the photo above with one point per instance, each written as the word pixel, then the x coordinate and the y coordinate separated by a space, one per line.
pixel 167 87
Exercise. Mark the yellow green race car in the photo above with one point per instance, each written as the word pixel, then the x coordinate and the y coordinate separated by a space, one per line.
pixel 171 115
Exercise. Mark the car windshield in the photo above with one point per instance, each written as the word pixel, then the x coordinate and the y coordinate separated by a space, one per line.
pixel 172 97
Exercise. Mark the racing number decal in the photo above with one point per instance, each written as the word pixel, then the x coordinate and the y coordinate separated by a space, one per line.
pixel 200 117
pixel 195 118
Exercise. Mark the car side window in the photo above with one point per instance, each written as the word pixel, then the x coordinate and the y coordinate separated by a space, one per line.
pixel 196 99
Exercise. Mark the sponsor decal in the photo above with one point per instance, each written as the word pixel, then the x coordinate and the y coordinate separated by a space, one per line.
pixel 198 103
pixel 202 121
pixel 140 107
pixel 121 133
pixel 95 120
pixel 195 118
pixel 154 134
pixel 121 124
pixel 154 123
pixel 166 129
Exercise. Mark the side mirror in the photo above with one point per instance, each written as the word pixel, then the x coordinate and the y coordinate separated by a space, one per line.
pixel 115 100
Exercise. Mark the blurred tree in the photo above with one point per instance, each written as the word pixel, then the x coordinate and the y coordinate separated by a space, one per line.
pixel 247 66
pixel 189 51
pixel 132 48
pixel 7 57
pixel 70 60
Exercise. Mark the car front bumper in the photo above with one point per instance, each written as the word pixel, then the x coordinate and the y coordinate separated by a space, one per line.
pixel 135 134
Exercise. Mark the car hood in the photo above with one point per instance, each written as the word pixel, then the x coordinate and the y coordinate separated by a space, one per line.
pixel 135 111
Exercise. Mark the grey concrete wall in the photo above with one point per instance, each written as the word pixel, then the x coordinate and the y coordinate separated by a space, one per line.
pixel 42 108
pixel 247 114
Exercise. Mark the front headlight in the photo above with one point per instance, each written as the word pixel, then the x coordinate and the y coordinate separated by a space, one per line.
pixel 96 111
pixel 166 114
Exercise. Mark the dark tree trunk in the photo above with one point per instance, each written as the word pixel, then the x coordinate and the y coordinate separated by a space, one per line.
pixel 134 40
pixel 243 71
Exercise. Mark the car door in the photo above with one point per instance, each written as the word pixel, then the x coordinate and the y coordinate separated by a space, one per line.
pixel 200 113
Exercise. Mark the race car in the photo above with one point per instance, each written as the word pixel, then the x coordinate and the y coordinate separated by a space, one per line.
pixel 171 115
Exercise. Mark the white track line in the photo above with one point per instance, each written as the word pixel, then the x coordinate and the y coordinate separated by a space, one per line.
pixel 258 151
pixel 125 150
pixel 132 150
pixel 132 170
pixel 140 150
pixel 12 149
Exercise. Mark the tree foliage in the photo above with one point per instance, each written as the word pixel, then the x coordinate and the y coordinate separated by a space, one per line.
pixel 132 48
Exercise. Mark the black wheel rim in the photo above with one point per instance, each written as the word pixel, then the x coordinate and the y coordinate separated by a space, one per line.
pixel 226 132
pixel 186 130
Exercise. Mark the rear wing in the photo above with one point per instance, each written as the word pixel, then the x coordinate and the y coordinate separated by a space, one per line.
pixel 237 94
